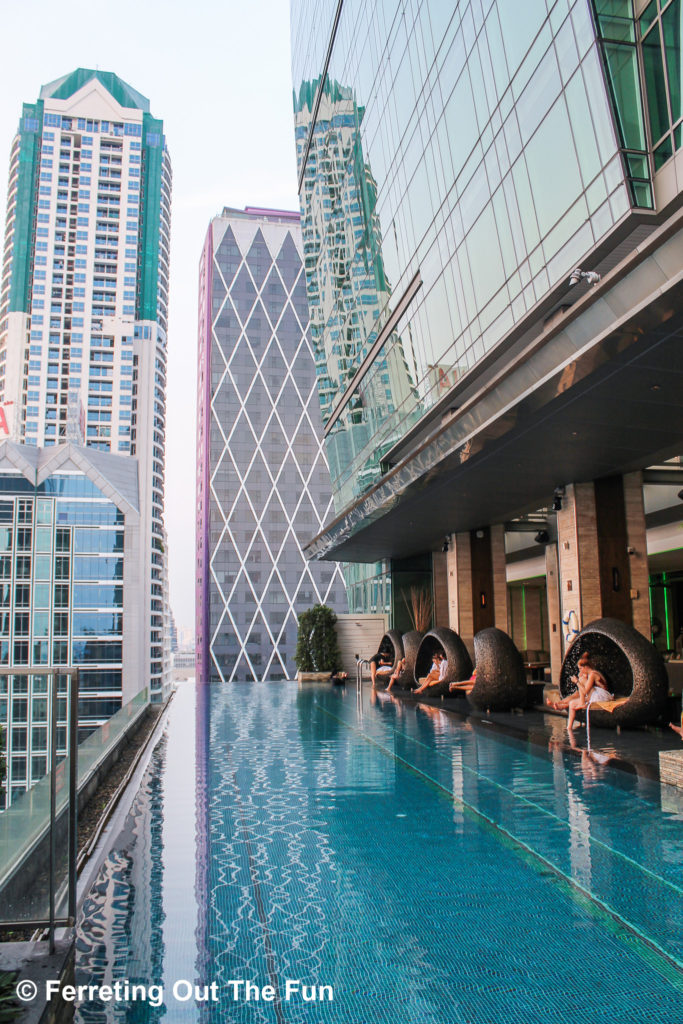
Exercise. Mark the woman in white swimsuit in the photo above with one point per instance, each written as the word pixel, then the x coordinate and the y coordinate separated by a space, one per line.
pixel 592 687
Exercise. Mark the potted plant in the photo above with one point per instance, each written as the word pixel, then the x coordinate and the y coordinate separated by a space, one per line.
pixel 317 651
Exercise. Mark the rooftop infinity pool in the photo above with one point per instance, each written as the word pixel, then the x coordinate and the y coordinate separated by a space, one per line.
pixel 303 855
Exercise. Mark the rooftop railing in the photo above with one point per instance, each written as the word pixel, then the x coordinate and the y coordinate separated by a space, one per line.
pixel 39 831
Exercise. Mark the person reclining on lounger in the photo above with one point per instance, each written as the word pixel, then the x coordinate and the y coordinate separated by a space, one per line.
pixel 400 666
pixel 591 687
pixel 436 674
pixel 381 664
pixel 464 684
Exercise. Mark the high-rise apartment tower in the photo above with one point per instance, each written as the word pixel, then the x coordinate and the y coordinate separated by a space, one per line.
pixel 83 307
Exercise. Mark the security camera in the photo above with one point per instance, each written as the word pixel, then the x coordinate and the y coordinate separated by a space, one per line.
pixel 589 276
pixel 558 495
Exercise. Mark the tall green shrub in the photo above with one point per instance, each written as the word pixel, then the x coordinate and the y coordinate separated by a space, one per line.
pixel 317 649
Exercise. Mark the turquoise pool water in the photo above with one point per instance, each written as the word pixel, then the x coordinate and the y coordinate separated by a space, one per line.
pixel 422 868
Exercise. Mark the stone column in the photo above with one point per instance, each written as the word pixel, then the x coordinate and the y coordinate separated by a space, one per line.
pixel 477 586
pixel 579 564
pixel 636 539
pixel 603 554
pixel 499 582
pixel 460 610
pixel 552 581
pixel 440 587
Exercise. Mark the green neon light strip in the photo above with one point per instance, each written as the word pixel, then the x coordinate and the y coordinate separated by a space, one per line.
pixel 667 617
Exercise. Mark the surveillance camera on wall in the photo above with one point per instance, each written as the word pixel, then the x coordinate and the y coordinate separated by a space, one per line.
pixel 589 276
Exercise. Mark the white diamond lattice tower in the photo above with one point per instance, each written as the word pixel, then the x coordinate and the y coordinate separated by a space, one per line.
pixel 263 486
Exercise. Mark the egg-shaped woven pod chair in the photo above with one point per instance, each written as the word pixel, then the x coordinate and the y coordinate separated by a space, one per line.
pixel 411 645
pixel 458 661
pixel 392 641
pixel 633 668
pixel 501 680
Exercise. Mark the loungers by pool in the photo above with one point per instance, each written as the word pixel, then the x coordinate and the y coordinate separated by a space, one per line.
pixel 634 670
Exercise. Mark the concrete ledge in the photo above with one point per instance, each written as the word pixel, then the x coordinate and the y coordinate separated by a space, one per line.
pixel 313 677
pixel 671 767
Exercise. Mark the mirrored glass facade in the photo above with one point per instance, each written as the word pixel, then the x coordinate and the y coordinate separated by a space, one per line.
pixel 456 162
pixel 660 28
pixel 61 603
pixel 263 482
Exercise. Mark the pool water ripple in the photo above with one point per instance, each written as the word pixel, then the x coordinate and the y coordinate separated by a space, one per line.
pixel 430 872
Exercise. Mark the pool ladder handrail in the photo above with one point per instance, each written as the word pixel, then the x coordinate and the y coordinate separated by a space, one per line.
pixel 360 662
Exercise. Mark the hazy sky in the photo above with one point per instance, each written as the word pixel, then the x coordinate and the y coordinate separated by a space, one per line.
pixel 218 73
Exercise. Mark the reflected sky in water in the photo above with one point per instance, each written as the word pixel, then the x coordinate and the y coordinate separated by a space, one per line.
pixel 425 867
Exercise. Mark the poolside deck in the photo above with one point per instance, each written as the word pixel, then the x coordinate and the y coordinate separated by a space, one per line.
pixel 633 750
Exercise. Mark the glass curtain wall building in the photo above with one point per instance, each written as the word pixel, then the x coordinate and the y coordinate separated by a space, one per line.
pixel 456 164
pixel 70 589
pixel 263 486
pixel 84 300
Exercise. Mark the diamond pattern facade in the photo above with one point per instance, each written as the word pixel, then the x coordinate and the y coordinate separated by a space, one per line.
pixel 263 487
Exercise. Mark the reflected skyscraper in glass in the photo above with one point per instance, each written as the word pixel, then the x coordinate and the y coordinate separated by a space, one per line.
pixel 457 164
pixel 263 485
pixel 347 282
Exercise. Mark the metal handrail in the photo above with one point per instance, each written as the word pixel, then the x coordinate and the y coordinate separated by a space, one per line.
pixel 72 673
pixel 360 662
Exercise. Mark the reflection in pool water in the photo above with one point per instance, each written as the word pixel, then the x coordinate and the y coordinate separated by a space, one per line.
pixel 426 869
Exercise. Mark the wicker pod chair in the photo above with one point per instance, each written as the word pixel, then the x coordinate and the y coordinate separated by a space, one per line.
pixel 391 641
pixel 501 680
pixel 634 670
pixel 459 663
pixel 411 645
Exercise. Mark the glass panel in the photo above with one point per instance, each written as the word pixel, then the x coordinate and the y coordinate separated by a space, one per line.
pixel 637 165
pixel 43 538
pixel 24 825
pixel 42 567
pixel 40 624
pixel 663 152
pixel 655 87
pixel 44 514
pixel 642 194
pixel 615 20
pixel 622 66
pixel 672 26
pixel 553 168
pixel 648 16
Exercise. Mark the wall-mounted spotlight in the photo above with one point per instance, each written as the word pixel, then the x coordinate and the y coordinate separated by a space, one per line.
pixel 445 545
pixel 558 495
pixel 589 276
pixel 542 537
